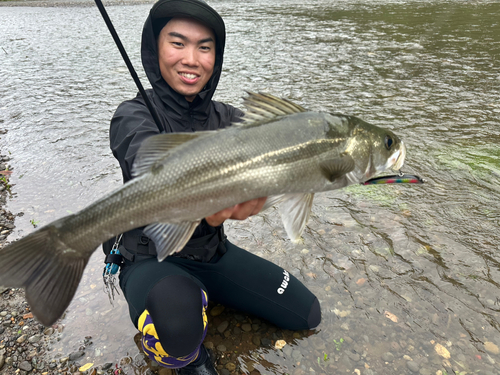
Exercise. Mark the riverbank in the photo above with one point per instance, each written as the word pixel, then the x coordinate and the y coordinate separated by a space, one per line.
pixel 25 343
pixel 68 3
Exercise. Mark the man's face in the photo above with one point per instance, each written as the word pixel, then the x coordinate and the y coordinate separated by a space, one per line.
pixel 186 54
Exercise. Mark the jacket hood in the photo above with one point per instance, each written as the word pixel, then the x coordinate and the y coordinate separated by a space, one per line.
pixel 177 104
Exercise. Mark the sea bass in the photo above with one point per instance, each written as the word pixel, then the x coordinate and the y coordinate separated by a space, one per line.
pixel 279 151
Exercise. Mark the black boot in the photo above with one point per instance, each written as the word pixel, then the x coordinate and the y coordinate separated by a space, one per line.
pixel 202 366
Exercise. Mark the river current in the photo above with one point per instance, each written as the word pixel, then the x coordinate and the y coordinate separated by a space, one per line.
pixel 413 271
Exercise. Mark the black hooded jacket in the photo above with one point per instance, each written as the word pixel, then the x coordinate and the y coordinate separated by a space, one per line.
pixel 132 123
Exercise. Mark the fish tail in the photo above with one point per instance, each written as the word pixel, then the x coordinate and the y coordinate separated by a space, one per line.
pixel 49 271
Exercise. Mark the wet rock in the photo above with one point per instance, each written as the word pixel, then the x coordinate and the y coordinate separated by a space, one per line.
pixel 221 348
pixel 354 356
pixel 35 338
pixel 256 340
pixel 491 348
pixel 2 361
pixel 348 340
pixel 395 346
pixel 266 342
pixel 75 355
pixel 217 310
pixel 209 345
pixel 239 317
pixel 21 339
pixel 424 371
pixel 490 360
pixel 107 365
pixel 223 326
pixel 318 343
pixel 388 357
pixel 25 366
pixel 231 366
pixel 287 350
pixel 413 366
pixel 296 355
pixel 246 327
pixel 48 331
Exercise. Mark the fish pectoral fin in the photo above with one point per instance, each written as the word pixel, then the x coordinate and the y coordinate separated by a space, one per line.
pixel 170 238
pixel 335 168
pixel 272 201
pixel 157 148
pixel 295 211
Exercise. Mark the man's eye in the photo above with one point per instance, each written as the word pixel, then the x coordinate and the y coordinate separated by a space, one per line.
pixel 205 48
pixel 177 44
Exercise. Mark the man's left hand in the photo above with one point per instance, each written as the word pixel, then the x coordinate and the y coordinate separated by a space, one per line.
pixel 239 212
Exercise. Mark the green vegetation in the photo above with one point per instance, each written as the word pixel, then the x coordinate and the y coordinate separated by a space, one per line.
pixel 34 223
pixel 325 360
pixel 5 182
pixel 338 344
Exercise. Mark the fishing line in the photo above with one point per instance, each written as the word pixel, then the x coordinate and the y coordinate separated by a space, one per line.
pixel 130 67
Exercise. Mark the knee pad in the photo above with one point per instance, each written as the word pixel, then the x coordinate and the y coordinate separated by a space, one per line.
pixel 174 323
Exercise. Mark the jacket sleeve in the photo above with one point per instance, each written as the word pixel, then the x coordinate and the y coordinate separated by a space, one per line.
pixel 236 114
pixel 227 114
pixel 130 126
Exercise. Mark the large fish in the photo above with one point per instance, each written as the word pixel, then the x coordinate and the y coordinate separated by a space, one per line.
pixel 280 151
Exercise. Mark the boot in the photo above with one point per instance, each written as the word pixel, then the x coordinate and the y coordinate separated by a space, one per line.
pixel 206 366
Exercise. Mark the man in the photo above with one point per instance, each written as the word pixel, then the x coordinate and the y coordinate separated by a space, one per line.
pixel 182 53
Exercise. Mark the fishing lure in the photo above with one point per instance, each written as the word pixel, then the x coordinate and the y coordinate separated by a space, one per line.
pixel 395 179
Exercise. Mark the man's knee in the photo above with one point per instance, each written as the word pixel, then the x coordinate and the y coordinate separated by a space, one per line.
pixel 174 323
pixel 314 317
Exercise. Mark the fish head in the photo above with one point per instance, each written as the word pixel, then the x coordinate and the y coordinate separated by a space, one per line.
pixel 387 151
pixel 373 149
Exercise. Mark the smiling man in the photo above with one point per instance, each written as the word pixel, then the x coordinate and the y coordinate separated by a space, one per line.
pixel 186 50
pixel 182 53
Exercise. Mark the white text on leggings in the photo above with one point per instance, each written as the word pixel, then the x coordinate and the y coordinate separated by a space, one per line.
pixel 284 283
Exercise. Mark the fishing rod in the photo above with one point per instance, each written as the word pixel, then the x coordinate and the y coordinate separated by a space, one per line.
pixel 130 67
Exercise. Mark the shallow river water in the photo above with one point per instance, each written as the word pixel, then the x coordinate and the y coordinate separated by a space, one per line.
pixel 408 276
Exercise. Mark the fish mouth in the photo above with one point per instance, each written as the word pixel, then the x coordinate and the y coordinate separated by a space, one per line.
pixel 397 159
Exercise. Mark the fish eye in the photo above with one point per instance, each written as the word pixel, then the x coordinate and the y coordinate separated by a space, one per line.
pixel 388 142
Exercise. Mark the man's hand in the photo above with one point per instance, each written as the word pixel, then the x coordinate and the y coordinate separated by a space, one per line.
pixel 239 212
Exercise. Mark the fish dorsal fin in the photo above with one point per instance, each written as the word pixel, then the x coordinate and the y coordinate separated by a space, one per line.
pixel 264 107
pixel 157 148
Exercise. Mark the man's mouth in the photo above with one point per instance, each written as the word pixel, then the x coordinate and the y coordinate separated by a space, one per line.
pixel 189 76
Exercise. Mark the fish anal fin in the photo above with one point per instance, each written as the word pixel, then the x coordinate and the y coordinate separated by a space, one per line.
pixel 157 148
pixel 295 211
pixel 335 168
pixel 170 238
pixel 272 201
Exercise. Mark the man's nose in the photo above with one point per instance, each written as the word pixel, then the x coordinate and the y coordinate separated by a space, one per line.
pixel 190 57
